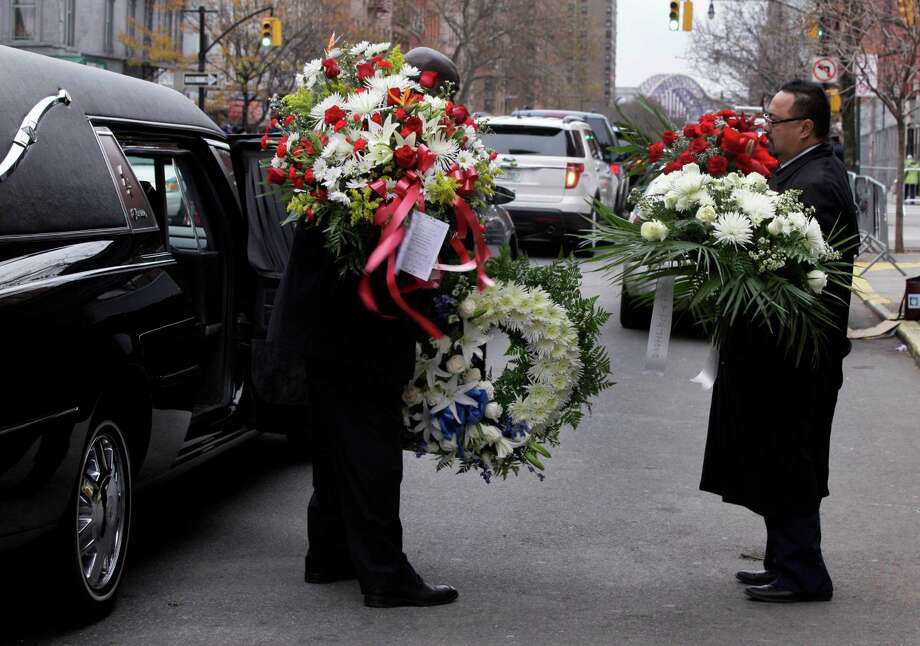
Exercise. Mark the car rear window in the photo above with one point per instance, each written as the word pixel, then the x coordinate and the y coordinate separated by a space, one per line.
pixel 602 131
pixel 533 140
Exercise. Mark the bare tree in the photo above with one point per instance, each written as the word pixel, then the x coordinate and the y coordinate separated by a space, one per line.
pixel 752 48
pixel 880 44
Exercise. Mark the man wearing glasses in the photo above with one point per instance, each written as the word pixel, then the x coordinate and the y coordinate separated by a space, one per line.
pixel 773 459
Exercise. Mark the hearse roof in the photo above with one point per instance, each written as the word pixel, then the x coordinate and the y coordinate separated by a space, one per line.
pixel 28 78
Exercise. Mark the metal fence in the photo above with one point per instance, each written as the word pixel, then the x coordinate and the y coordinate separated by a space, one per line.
pixel 871 199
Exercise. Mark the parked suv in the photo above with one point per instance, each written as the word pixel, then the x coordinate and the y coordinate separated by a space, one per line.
pixel 133 293
pixel 556 170
pixel 607 138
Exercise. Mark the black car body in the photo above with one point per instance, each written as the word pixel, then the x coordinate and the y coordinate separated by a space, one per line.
pixel 130 304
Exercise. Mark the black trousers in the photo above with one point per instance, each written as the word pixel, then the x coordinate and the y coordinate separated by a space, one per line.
pixel 794 553
pixel 357 472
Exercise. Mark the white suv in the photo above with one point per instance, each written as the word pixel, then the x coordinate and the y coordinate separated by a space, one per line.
pixel 556 170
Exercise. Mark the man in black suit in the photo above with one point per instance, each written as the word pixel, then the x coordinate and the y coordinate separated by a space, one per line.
pixel 770 420
pixel 357 365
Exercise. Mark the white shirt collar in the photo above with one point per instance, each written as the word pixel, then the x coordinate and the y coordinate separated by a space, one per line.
pixel 804 152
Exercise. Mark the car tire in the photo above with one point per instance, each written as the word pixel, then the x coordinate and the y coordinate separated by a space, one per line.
pixel 634 315
pixel 576 243
pixel 92 538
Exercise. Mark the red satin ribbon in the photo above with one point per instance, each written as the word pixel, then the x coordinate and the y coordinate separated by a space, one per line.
pixel 391 216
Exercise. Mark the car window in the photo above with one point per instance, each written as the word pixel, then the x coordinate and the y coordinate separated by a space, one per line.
pixel 533 140
pixel 592 145
pixel 169 184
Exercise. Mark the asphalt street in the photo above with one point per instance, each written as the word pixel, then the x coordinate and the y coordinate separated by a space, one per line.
pixel 616 546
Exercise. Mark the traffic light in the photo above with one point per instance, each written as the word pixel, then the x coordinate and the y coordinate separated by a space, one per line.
pixel 674 17
pixel 270 33
pixel 906 9
pixel 687 22
pixel 834 98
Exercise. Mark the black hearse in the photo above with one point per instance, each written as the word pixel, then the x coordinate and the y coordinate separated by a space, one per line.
pixel 133 296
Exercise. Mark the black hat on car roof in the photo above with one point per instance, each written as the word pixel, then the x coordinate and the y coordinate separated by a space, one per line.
pixel 431 60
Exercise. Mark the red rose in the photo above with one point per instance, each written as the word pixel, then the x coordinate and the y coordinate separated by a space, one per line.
pixel 413 124
pixel 717 165
pixel 709 117
pixel 308 146
pixel 669 137
pixel 361 144
pixel 339 125
pixel 698 145
pixel 655 151
pixel 274 122
pixel 365 70
pixel 308 175
pixel 288 120
pixel 726 113
pixel 297 181
pixel 405 156
pixel 320 195
pixel 276 176
pixel 281 150
pixel 376 118
pixel 333 115
pixel 401 114
pixel 265 140
pixel 685 158
pixel 308 213
pixel 706 129
pixel 493 155
pixel 672 166
pixel 459 113
pixel 428 79
pixel 691 131
pixel 330 68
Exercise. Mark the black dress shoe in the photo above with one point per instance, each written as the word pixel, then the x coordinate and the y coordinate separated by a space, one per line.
pixel 416 593
pixel 313 573
pixel 755 577
pixel 777 595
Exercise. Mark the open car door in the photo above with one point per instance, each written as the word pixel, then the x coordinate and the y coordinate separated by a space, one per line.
pixel 277 378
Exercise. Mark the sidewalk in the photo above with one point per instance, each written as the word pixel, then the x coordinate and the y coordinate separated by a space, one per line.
pixel 882 288
pixel 911 226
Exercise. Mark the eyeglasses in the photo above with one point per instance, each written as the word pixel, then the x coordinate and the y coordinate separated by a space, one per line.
pixel 769 118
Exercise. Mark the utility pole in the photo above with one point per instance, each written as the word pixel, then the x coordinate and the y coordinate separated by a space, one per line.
pixel 202 50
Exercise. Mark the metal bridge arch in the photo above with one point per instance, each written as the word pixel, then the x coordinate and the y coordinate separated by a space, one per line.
pixel 682 97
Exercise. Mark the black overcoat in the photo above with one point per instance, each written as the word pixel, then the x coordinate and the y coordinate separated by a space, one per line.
pixel 770 420
pixel 318 318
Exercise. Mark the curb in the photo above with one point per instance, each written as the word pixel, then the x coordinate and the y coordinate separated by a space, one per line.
pixel 907 331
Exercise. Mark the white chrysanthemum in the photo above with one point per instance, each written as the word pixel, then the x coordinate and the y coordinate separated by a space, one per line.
pixel 383 83
pixel 688 191
pixel 466 159
pixel 299 80
pixel 376 48
pixel 311 72
pixel 661 184
pixel 356 183
pixel 339 196
pixel 318 112
pixel 757 206
pixel 799 222
pixel 409 71
pixel 654 231
pixel 814 240
pixel 364 103
pixel 337 148
pixel 756 181
pixel 360 48
pixel 733 229
pixel 436 102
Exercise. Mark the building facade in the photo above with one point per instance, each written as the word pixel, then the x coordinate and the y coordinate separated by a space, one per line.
pixel 94 32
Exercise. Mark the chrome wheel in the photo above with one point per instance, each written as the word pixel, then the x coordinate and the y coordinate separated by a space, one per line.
pixel 103 501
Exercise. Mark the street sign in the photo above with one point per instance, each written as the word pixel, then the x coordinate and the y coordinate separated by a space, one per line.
pixel 201 79
pixel 825 69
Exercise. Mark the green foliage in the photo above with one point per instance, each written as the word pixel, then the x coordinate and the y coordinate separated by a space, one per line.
pixel 363 205
pixel 300 102
pixel 719 286
pixel 443 191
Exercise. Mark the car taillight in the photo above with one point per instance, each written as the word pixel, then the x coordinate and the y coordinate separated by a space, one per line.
pixel 572 174
pixel 615 169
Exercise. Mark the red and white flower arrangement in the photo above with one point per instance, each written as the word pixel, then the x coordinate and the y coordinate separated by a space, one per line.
pixel 719 143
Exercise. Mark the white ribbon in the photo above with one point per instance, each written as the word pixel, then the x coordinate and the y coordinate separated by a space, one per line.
pixel 659 331
pixel 707 376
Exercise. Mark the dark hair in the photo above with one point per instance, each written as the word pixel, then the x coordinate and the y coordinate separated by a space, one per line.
pixel 811 102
